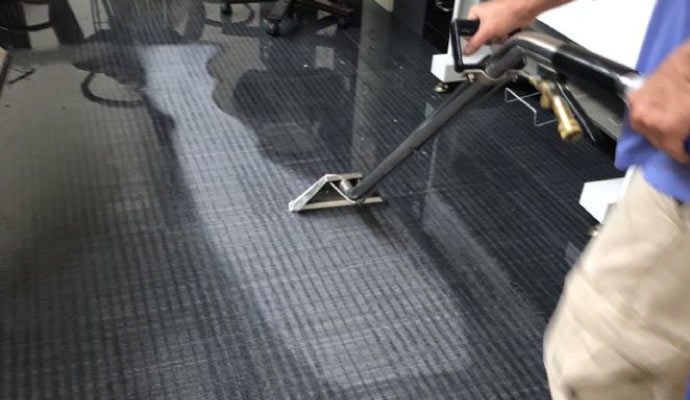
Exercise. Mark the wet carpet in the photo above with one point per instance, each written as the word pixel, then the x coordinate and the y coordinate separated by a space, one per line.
pixel 148 151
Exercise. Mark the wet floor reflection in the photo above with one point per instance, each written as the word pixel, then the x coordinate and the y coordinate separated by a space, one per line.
pixel 145 242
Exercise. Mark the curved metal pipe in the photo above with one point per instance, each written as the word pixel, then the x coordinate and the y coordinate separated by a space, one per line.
pixel 533 42
pixel 573 61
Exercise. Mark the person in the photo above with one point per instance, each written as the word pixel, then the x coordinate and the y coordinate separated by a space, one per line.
pixel 622 326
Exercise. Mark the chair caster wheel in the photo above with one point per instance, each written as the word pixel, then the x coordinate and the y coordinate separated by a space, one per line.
pixel 594 231
pixel 273 29
pixel 226 9
pixel 441 88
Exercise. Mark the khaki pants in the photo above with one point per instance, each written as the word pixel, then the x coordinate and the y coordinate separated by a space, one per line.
pixel 622 327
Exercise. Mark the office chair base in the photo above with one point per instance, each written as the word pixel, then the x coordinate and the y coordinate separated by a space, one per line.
pixel 284 8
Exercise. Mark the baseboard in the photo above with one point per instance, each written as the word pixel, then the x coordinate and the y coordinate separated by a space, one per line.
pixel 387 5
pixel 4 63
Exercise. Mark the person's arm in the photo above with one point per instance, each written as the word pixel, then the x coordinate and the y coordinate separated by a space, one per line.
pixel 660 110
pixel 501 17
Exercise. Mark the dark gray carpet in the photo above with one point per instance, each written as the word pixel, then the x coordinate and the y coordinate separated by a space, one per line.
pixel 148 151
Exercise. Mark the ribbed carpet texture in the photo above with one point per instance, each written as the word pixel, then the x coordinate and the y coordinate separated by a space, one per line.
pixel 148 152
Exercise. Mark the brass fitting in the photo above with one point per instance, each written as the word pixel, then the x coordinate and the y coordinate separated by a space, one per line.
pixel 568 127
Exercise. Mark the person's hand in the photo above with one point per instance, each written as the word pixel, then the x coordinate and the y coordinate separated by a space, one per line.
pixel 660 109
pixel 498 19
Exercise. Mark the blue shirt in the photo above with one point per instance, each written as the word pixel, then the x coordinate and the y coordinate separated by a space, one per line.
pixel 668 28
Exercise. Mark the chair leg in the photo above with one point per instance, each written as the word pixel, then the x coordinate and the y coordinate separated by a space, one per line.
pixel 329 6
pixel 280 10
pixel 278 13
pixel 226 8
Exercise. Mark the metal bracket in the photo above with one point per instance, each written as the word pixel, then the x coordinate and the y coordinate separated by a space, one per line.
pixel 510 96
pixel 479 75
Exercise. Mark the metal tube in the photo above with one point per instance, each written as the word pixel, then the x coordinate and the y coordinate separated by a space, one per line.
pixel 459 101
pixel 529 44
pixel 573 61
pixel 536 43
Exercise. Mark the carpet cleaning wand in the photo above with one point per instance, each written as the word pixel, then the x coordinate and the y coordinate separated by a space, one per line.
pixel 522 55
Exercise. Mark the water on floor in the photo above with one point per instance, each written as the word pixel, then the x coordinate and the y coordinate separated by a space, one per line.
pixel 149 149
